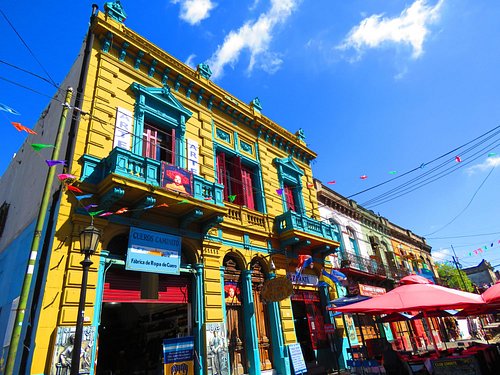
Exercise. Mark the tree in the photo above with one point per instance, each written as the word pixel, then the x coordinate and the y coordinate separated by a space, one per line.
pixel 454 278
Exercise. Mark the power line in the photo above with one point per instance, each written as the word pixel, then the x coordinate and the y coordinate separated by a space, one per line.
pixel 29 49
pixel 26 71
pixel 396 194
pixel 422 165
pixel 465 208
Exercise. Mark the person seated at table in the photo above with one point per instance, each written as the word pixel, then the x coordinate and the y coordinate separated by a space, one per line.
pixel 393 364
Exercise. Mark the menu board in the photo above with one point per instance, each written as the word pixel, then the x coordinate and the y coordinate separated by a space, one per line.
pixel 298 363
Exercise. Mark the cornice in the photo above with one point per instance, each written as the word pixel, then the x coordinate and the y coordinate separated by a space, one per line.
pixel 167 70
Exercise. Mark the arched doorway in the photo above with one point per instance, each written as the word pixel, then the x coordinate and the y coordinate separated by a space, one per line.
pixel 139 310
pixel 261 316
pixel 234 314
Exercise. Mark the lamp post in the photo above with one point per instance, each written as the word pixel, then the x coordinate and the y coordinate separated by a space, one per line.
pixel 89 239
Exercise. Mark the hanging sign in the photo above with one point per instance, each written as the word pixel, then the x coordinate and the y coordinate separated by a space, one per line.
pixel 155 252
pixel 276 289
pixel 302 279
pixel 123 128
pixel 297 358
pixel 178 355
pixel 370 290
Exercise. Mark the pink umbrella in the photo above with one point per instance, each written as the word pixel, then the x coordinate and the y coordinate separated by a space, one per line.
pixel 492 294
pixel 414 279
pixel 416 297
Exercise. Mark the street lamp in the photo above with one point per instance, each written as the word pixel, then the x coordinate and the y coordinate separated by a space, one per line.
pixel 89 239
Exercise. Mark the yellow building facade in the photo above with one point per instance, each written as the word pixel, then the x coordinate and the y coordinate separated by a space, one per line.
pixel 201 201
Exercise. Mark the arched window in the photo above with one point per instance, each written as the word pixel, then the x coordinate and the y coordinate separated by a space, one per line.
pixel 353 242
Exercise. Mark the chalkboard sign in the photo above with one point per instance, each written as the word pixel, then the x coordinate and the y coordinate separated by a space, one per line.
pixel 298 363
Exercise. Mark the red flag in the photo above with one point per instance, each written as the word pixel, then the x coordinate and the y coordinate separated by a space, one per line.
pixel 332 182
pixel 162 205
pixel 121 211
pixel 18 126
pixel 458 159
pixel 21 127
pixel 363 177
pixel 74 188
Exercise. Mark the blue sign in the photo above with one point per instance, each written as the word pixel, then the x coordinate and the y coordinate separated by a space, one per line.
pixel 155 252
pixel 297 358
pixel 178 355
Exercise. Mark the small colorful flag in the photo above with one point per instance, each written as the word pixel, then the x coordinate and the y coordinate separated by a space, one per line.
pixel 363 177
pixel 491 154
pixel 458 159
pixel 183 201
pixel 52 163
pixel 279 191
pixel 6 108
pixel 304 261
pixel 104 214
pixel 94 213
pixel 208 198
pixel 65 176
pixel 149 207
pixel 231 198
pixel 86 196
pixel 393 172
pixel 40 146
pixel 333 182
pixel 21 127
pixel 74 188
pixel 121 211
pixel 162 205
pixel 90 206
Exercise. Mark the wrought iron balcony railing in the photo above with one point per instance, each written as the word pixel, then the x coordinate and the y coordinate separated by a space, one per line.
pixel 146 170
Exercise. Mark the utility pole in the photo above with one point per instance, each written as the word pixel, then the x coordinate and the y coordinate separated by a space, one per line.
pixel 457 265
pixel 25 290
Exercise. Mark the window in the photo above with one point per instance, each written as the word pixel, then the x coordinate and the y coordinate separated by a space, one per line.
pixel 290 179
pixel 238 180
pixel 159 125
pixel 4 210
pixel 158 144
pixel 352 241
pixel 289 198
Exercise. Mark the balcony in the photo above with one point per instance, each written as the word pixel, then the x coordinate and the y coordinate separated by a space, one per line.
pixel 350 262
pixel 140 177
pixel 298 230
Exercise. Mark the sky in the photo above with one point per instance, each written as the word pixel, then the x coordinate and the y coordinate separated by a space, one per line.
pixel 400 99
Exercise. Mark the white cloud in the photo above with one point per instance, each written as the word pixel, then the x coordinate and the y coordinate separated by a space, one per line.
pixel 442 255
pixel 255 36
pixel 195 11
pixel 410 28
pixel 489 163
pixel 190 60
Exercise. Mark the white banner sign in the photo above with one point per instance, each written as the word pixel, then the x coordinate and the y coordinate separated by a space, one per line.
pixel 123 128
pixel 193 157
pixel 302 279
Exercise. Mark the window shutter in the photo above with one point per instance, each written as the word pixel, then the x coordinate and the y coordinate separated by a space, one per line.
pixel 222 173
pixel 289 199
pixel 236 180
pixel 247 183
pixel 171 143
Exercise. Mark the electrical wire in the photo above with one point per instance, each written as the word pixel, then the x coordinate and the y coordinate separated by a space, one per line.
pixel 29 49
pixel 421 166
pixel 465 208
pixel 26 71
